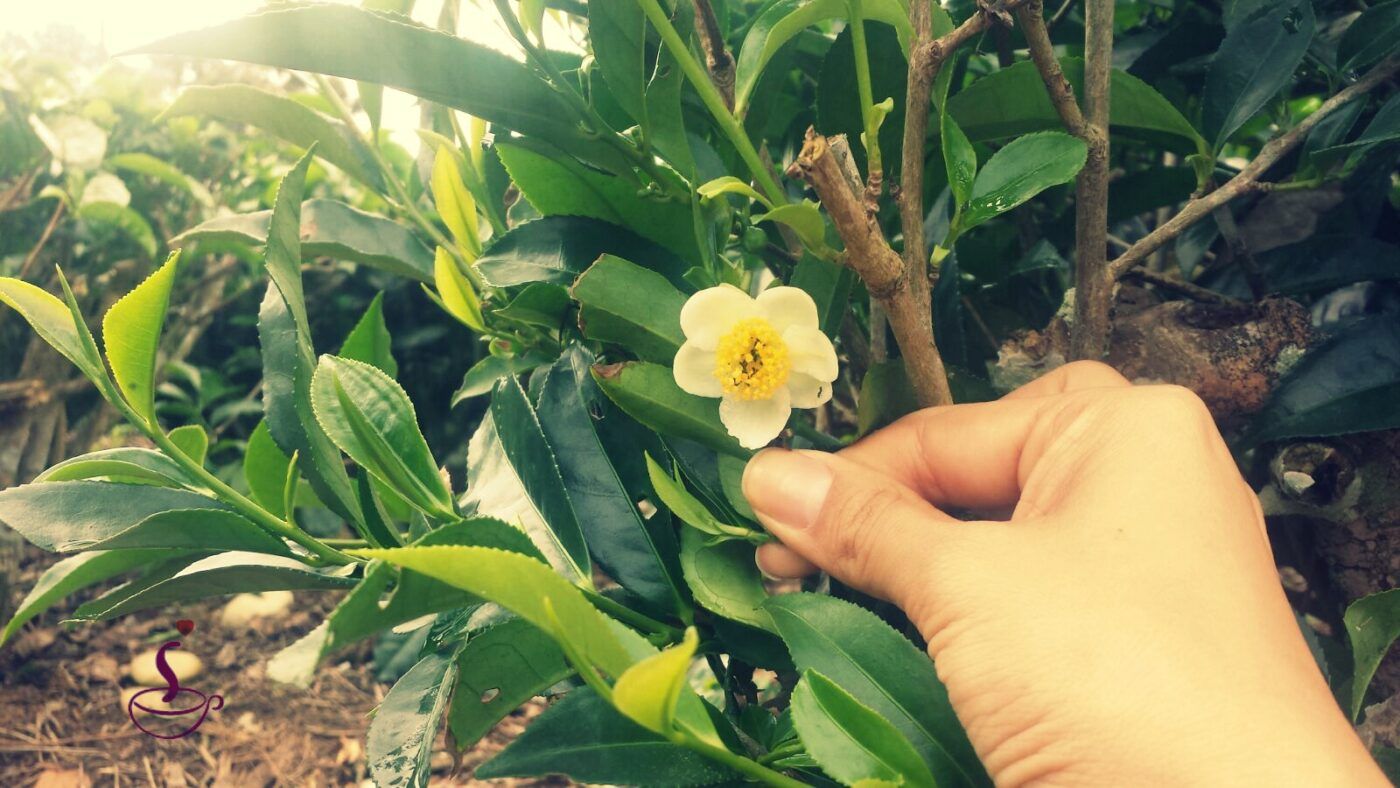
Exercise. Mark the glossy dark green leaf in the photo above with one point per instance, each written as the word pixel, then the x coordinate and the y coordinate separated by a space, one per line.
pixel 218 575
pixel 1383 127
pixel 1025 167
pixel 622 303
pixel 369 341
pixel 882 670
pixel 1013 101
pixel 194 529
pixel 75 515
pixel 829 284
pixel 73 574
pixel 1317 265
pixel 585 738
pixel 126 464
pixel 370 417
pixel 558 186
pixel 284 118
pixel 724 578
pixel 538 304
pixel 556 249
pixel 404 727
pixel 1255 61
pixel 959 158
pixel 1347 384
pixel 885 395
pixel 780 21
pixel 572 413
pixel 838 96
pixel 1373 624
pixel 329 229
pixel 1370 37
pixel 498 669
pixel 648 393
pixel 482 377
pixel 850 741
pixel 513 474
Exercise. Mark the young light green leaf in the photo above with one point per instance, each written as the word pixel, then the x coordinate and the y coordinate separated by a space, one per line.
pixel 804 218
pixel 369 341
pixel 1024 168
pixel 104 218
pixel 628 305
pixel 648 393
pixel 454 203
pixel 370 417
pixel 958 158
pixel 522 585
pixel 849 740
pixel 192 440
pixel 161 170
pixel 52 320
pixel 404 727
pixel 649 690
pixel 131 333
pixel 682 504
pixel 729 184
pixel 1373 624
pixel 456 291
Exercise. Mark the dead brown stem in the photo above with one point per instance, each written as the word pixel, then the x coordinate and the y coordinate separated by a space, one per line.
pixel 1192 291
pixel 1248 178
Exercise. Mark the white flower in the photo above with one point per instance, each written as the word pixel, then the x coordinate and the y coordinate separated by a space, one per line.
pixel 761 356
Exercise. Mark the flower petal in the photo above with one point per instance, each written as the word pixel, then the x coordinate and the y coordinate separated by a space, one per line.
pixel 756 422
pixel 710 313
pixel 786 307
pixel 812 353
pixel 807 391
pixel 694 370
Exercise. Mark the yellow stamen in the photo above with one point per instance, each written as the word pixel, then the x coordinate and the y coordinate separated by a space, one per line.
pixel 752 360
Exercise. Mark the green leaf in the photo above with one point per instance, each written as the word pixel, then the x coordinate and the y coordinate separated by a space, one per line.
pixel 523 585
pixel 512 474
pixel 838 94
pixel 958 157
pixel 163 171
pixel 1370 37
pixel 404 727
pixel 282 117
pixel 131 333
pixel 1373 624
pixel 388 596
pixel 829 284
pixel 113 216
pixel 1384 127
pixel 538 304
pixel 850 741
pixel 1347 384
pixel 192 440
pixel 415 59
pixel 558 186
pixel 68 516
pixel 498 669
pixel 329 229
pixel 482 377
pixel 125 464
pixel 1012 101
pixel 882 670
pixel 73 574
pixel 369 341
pixel 635 553
pixel 724 578
pixel 729 184
pixel 1255 61
pixel 648 393
pixel 885 396
pixel 557 249
pixel 586 739
pixel 370 417
pixel 680 502
pixel 804 219
pixel 265 469
pixel 456 292
pixel 649 690
pixel 1320 264
pixel 454 203
pixel 218 575
pixel 52 320
pixel 623 303
pixel 1024 168
pixel 780 21
pixel 196 529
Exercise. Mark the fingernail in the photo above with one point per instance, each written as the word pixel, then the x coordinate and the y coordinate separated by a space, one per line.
pixel 787 487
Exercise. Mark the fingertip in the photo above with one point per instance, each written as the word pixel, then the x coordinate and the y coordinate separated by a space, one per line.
pixel 781 563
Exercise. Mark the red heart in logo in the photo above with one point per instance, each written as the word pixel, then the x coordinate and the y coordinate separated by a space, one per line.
pixel 185 626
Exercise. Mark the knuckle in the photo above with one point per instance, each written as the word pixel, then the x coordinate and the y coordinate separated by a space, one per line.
pixel 1167 404
pixel 853 520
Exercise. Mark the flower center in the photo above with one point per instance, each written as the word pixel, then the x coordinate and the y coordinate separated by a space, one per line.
pixel 752 360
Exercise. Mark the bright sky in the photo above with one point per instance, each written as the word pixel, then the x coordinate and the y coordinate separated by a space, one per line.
pixel 119 25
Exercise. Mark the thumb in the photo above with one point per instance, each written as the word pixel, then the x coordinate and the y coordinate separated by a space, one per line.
pixel 867 530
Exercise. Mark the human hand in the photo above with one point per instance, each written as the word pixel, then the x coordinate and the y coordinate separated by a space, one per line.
pixel 1125 626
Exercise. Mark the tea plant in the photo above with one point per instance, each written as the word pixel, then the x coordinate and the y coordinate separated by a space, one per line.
pixel 631 234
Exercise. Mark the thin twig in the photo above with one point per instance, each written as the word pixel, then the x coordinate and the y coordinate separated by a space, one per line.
pixel 1248 178
pixel 1239 251
pixel 1060 14
pixel 43 239
pixel 717 57
pixel 1193 291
